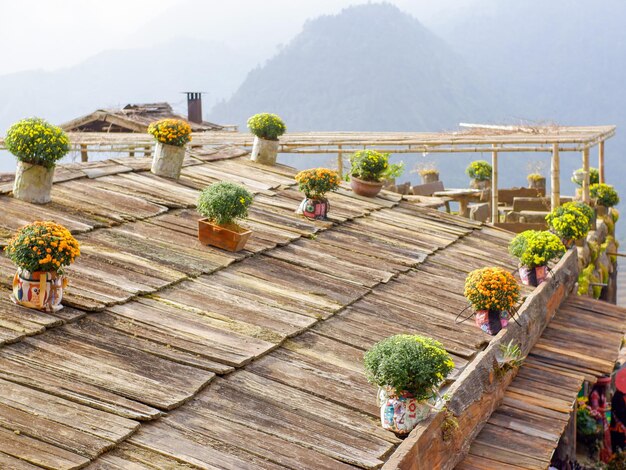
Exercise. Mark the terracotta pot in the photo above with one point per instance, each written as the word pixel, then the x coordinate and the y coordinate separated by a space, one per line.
pixel 231 237
pixel 167 160
pixel 480 184
pixel 430 178
pixel 533 276
pixel 365 188
pixel 400 414
pixel 491 321
pixel 33 183
pixel 314 208
pixel 264 151
pixel 39 290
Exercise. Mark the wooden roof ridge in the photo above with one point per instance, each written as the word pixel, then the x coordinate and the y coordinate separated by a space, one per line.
pixel 526 428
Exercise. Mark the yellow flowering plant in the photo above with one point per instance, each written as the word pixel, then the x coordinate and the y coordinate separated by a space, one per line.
pixel 370 165
pixel 43 246
pixel 316 182
pixel 536 248
pixel 479 170
pixel 491 289
pixel 37 142
pixel 267 126
pixel 171 131
pixel 223 203
pixel 569 222
pixel 604 194
pixel 408 363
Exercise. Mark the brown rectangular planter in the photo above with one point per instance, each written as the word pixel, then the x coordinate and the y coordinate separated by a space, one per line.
pixel 231 238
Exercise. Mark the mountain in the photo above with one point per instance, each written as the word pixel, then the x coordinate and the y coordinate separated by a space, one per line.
pixel 370 67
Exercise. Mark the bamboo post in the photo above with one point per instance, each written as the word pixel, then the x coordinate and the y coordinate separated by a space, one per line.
pixel 601 160
pixel 555 173
pixel 340 161
pixel 586 198
pixel 84 156
pixel 494 187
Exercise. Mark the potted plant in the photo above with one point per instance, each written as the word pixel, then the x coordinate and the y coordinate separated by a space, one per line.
pixel 579 176
pixel 222 204
pixel 480 173
pixel 315 183
pixel 172 135
pixel 428 173
pixel 408 370
pixel 267 128
pixel 41 250
pixel 37 145
pixel 570 223
pixel 588 429
pixel 492 293
pixel 534 250
pixel 605 197
pixel 585 209
pixel 537 181
pixel 369 169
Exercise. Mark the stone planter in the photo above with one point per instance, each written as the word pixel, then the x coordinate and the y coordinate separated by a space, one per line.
pixel 33 183
pixel 491 321
pixel 167 160
pixel 429 178
pixel 400 414
pixel 264 151
pixel 365 188
pixel 480 184
pixel 314 208
pixel 230 238
pixel 601 211
pixel 533 276
pixel 538 184
pixel 39 290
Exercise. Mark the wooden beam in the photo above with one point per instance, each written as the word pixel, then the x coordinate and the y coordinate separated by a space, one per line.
pixel 555 173
pixel 494 187
pixel 601 160
pixel 84 156
pixel 586 198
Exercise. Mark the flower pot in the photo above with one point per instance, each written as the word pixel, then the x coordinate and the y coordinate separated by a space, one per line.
pixel 601 211
pixel 480 184
pixel 578 176
pixel 491 321
pixel 264 151
pixel 39 290
pixel 365 188
pixel 400 414
pixel 231 237
pixel 533 276
pixel 167 160
pixel 430 178
pixel 33 183
pixel 314 208
pixel 538 184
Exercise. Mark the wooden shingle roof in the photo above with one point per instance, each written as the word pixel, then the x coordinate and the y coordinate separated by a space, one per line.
pixel 170 354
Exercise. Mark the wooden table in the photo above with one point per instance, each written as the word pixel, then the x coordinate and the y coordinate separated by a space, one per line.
pixel 462 196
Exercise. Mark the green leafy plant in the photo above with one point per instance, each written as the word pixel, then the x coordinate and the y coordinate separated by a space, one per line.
pixel 604 194
pixel 43 246
pixel 267 126
pixel 536 248
pixel 594 176
pixel 37 142
pixel 449 425
pixel 370 165
pixel 509 357
pixel 223 203
pixel 568 222
pixel 316 182
pixel 480 170
pixel 408 363
pixel 586 424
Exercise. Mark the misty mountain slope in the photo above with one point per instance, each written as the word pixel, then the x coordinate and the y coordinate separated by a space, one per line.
pixel 119 77
pixel 371 67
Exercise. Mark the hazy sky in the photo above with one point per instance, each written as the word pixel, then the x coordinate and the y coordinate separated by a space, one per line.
pixel 53 34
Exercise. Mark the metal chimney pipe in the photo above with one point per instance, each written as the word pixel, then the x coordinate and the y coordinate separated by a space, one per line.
pixel 194 107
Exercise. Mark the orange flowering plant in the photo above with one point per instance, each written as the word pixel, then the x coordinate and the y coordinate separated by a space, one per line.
pixel 316 182
pixel 171 131
pixel 43 246
pixel 491 289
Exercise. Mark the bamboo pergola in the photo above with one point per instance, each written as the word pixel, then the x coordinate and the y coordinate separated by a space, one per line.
pixel 471 138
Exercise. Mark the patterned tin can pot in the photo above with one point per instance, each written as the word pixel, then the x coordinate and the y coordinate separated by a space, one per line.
pixel 314 208
pixel 533 276
pixel 401 414
pixel 492 321
pixel 39 290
